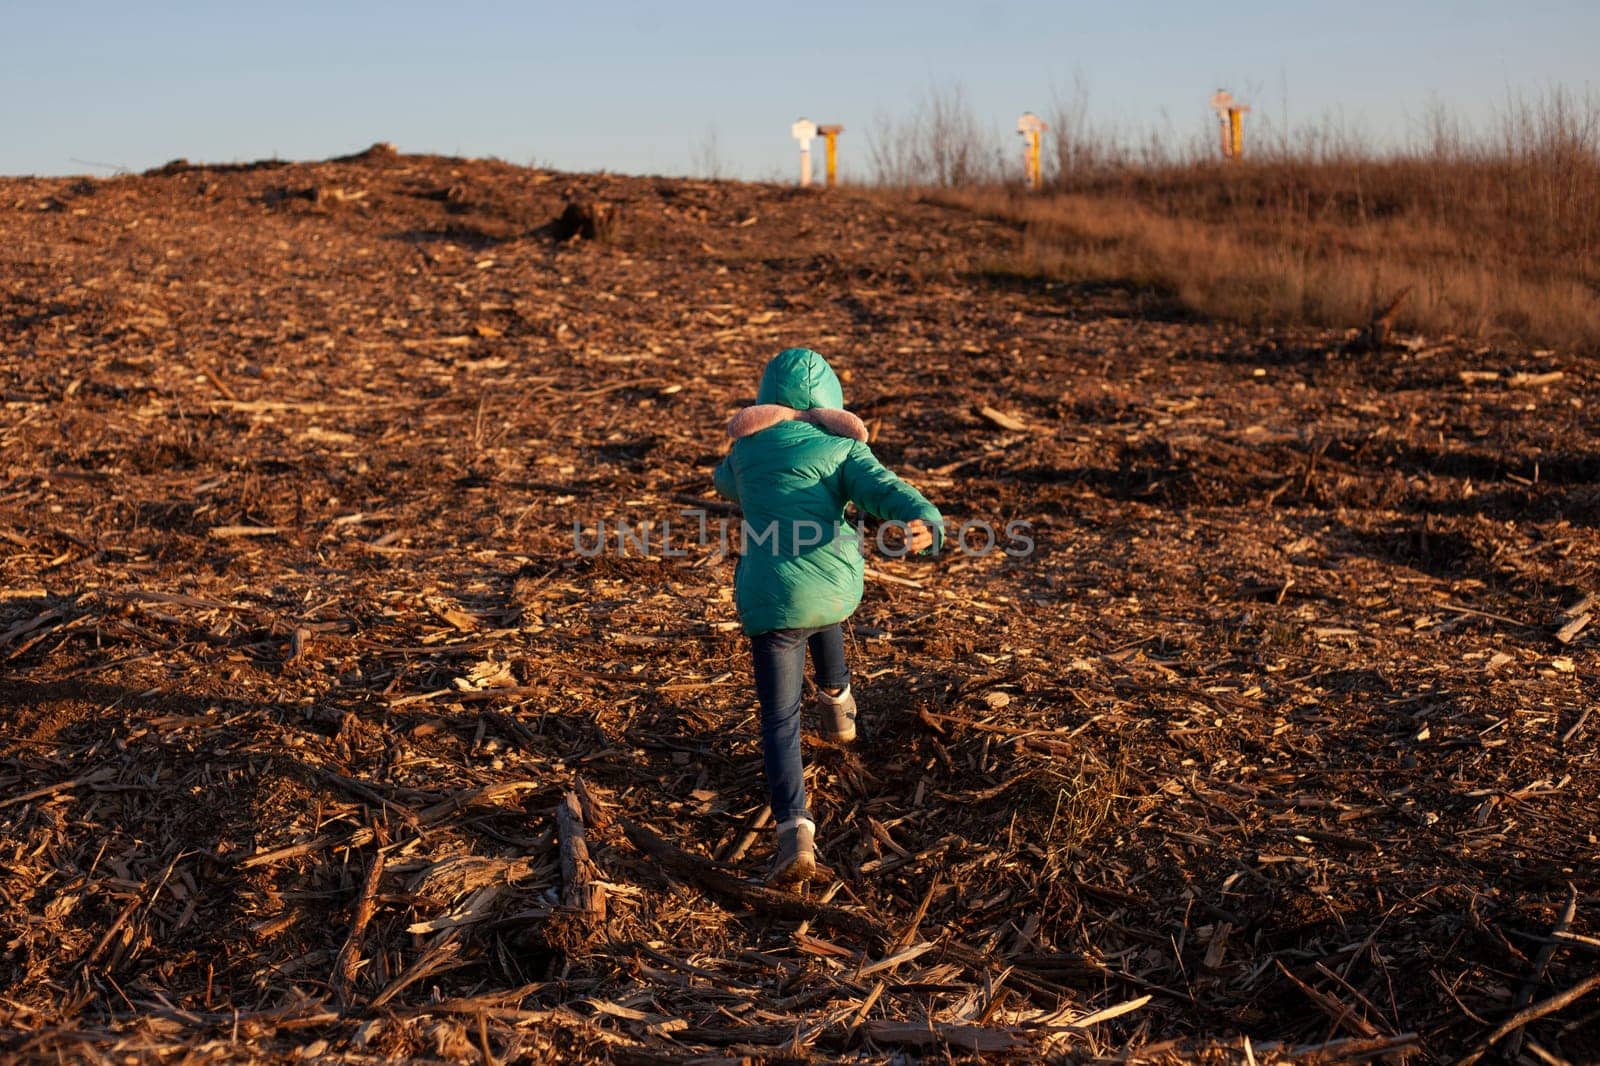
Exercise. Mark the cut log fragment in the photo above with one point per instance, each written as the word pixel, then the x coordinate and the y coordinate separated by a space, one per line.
pixel 1534 380
pixel 1569 632
pixel 581 893
pixel 589 804
pixel 1001 419
pixel 1519 380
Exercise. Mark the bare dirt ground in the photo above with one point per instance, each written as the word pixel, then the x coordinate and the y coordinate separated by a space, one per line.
pixel 1272 737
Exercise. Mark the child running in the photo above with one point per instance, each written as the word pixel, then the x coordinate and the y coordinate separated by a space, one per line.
pixel 797 458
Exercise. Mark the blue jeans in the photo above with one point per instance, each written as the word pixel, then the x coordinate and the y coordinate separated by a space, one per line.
pixel 779 658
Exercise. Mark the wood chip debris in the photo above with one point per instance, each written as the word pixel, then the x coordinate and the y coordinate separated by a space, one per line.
pixel 322 740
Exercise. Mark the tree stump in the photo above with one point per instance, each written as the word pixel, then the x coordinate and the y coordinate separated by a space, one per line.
pixel 1375 337
pixel 589 220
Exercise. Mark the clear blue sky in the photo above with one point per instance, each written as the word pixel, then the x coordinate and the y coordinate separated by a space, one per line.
pixel 637 87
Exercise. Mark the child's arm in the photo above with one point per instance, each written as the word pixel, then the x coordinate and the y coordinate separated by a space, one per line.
pixel 727 485
pixel 876 490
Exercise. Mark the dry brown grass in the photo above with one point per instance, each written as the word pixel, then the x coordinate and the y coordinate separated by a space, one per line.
pixel 1497 237
pixel 1304 272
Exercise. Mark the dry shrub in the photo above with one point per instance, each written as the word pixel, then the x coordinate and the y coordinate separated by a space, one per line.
pixel 942 144
pixel 1064 806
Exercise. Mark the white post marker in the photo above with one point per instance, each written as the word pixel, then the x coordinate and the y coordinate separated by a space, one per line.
pixel 1031 126
pixel 1221 103
pixel 804 131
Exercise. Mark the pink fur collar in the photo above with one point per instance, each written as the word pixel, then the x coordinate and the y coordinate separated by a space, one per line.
pixel 834 420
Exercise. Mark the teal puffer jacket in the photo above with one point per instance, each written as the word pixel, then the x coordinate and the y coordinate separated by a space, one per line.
pixel 801 567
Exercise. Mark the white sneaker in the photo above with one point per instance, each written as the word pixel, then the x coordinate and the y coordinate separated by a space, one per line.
pixel 796 860
pixel 837 714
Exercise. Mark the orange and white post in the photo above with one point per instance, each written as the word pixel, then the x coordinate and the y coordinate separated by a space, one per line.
pixel 804 131
pixel 1230 119
pixel 1032 127
pixel 830 141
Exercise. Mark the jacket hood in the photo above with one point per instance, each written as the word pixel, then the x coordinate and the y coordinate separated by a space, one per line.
pixel 840 423
pixel 801 379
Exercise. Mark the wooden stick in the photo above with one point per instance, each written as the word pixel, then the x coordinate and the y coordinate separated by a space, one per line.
pixel 222 386
pixel 1001 419
pixel 1337 1012
pixel 29 625
pixel 483 1041
pixel 973 1038
pixel 906 938
pixel 103 773
pixel 1582 605
pixel 752 831
pixel 235 532
pixel 442 954
pixel 111 931
pixel 718 882
pixel 355 838
pixel 486 695
pixel 1569 632
pixel 1531 1014
pixel 879 575
pixel 1577 726
pixel 889 962
pixel 1577 939
pixel 1347 1049
pixel 1541 962
pixel 349 957
pixel 579 893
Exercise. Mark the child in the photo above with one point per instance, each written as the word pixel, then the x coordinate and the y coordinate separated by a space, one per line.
pixel 796 460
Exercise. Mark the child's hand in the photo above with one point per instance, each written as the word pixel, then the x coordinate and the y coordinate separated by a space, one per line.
pixel 919 537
